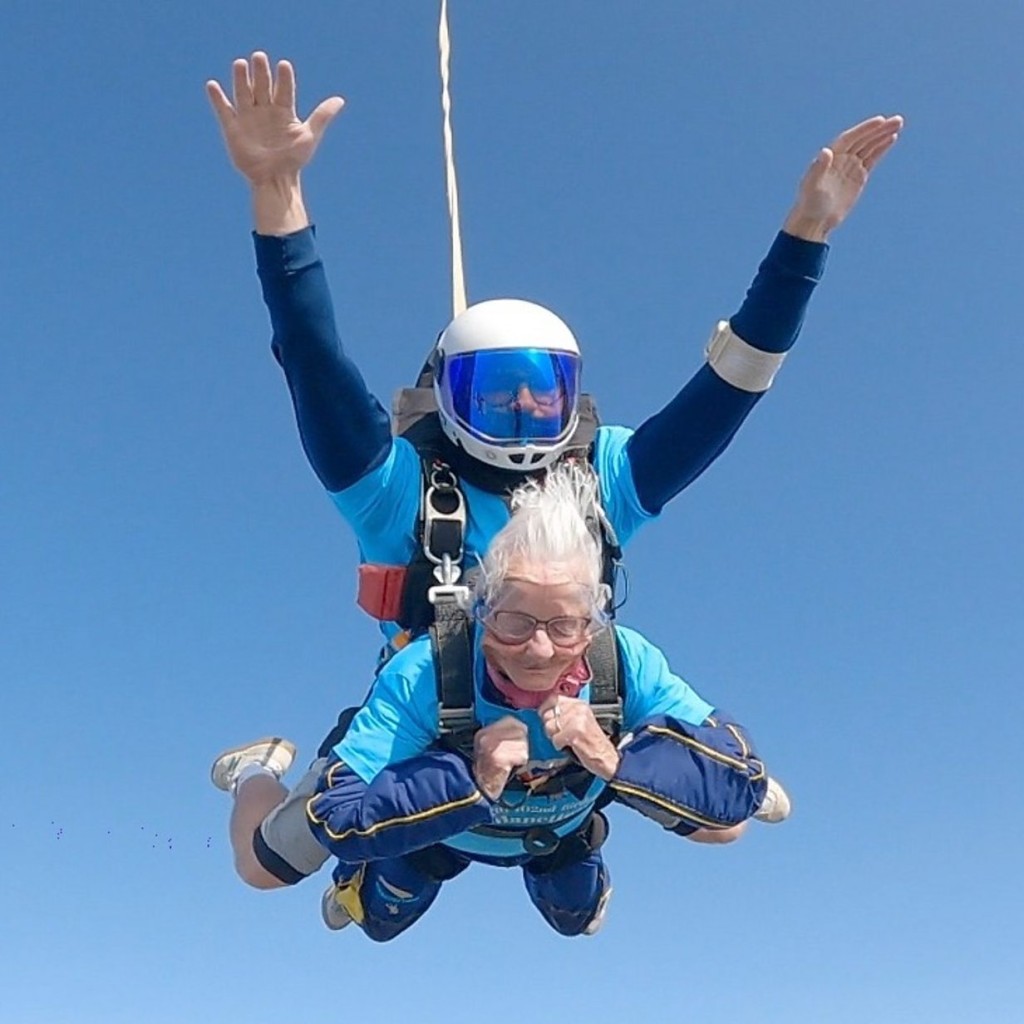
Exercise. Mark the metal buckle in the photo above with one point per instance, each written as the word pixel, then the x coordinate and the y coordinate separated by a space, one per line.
pixel 455 720
pixel 442 481
pixel 448 588
pixel 541 842
pixel 609 716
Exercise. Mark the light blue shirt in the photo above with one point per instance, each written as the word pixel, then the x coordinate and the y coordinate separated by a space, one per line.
pixel 400 720
pixel 382 507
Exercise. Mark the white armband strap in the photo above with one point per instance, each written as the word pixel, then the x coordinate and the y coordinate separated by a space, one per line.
pixel 739 364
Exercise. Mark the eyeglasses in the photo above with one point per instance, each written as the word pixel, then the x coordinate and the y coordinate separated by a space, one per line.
pixel 518 627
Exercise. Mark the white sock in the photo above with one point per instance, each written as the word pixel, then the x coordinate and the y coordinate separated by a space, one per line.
pixel 250 770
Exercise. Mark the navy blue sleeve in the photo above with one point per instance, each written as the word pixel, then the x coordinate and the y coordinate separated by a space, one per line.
pixel 408 806
pixel 687 777
pixel 345 431
pixel 672 448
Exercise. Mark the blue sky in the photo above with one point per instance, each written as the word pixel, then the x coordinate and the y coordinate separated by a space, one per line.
pixel 847 579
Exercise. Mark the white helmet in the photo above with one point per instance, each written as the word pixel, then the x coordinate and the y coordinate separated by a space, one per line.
pixel 507 381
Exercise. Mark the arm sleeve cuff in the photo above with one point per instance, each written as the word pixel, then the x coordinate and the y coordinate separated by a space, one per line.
pixel 774 308
pixel 799 256
pixel 285 254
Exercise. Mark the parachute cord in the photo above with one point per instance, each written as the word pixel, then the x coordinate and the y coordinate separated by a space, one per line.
pixel 458 278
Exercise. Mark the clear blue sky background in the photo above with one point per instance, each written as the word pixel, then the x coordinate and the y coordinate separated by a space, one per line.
pixel 847 578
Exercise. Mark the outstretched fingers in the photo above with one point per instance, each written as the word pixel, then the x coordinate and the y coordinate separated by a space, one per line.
pixel 262 80
pixel 324 114
pixel 241 86
pixel 848 141
pixel 218 100
pixel 836 178
pixel 863 139
pixel 284 87
pixel 873 153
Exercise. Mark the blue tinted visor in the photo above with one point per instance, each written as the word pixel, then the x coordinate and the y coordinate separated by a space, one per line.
pixel 513 397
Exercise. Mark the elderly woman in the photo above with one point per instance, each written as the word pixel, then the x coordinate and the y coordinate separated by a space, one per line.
pixel 403 813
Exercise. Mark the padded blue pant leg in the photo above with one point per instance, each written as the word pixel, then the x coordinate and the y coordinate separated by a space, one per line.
pixel 394 895
pixel 569 898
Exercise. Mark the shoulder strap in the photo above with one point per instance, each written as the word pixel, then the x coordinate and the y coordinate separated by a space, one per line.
pixel 451 643
pixel 606 681
pixel 440 539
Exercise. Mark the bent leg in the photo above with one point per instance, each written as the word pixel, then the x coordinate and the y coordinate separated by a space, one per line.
pixel 571 898
pixel 255 798
pixel 280 848
pixel 385 897
pixel 268 828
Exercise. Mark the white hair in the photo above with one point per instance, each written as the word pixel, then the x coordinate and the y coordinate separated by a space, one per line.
pixel 554 519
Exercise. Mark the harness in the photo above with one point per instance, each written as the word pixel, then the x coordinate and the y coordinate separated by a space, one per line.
pixel 429 594
pixel 451 643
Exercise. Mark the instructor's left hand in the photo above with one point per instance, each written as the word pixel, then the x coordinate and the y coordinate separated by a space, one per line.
pixel 837 176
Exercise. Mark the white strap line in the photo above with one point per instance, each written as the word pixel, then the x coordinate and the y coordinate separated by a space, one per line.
pixel 458 278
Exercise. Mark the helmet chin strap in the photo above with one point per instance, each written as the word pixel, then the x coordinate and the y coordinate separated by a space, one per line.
pixel 458 277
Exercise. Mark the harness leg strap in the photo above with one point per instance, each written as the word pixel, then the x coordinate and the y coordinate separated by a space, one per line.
pixel 575 847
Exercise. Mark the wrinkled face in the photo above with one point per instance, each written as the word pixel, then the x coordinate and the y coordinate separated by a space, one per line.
pixel 545 592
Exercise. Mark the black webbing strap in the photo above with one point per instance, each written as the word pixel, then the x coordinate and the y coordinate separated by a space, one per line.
pixel 606 681
pixel 611 563
pixel 452 648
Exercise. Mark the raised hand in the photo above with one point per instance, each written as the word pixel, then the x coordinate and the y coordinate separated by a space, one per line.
pixel 266 140
pixel 264 136
pixel 834 181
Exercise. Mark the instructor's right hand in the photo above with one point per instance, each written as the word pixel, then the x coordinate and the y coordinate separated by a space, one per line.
pixel 264 136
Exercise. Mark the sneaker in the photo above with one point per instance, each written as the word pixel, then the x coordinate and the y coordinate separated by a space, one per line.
pixel 776 805
pixel 272 753
pixel 602 908
pixel 334 914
